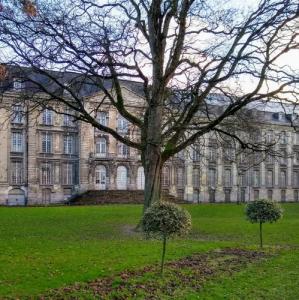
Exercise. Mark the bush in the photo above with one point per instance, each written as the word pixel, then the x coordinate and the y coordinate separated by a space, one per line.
pixel 164 220
pixel 262 211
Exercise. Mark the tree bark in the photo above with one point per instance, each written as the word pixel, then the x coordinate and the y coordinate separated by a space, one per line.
pixel 163 255
pixel 152 174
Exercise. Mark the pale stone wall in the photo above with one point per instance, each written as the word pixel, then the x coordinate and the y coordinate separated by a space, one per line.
pixel 88 161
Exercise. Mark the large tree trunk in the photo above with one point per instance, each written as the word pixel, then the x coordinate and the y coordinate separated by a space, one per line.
pixel 152 154
pixel 152 173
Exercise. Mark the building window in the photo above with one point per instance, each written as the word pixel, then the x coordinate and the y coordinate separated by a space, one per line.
pixel 122 124
pixel 270 137
pixel 212 177
pixel 256 178
pixel 228 154
pixel 68 174
pixel 16 172
pixel 47 142
pixel 121 178
pixel 68 119
pixel 243 195
pixel 270 194
pixel 46 174
pixel 296 157
pixel 283 159
pixel 165 176
pixel 17 114
pixel 275 116
pixel 123 150
pixel 283 178
pixel 18 84
pixel 270 178
pixel 269 159
pixel 212 195
pixel 257 158
pixel 283 138
pixel 47 117
pixel 212 153
pixel 46 196
pixel 195 178
pixel 296 195
pixel 227 178
pixel 17 142
pixel 69 144
pixel 196 155
pixel 196 196
pixel 283 195
pixel 180 177
pixel 103 118
pixel 227 194
pixel 243 178
pixel 256 194
pixel 101 147
pixel 242 158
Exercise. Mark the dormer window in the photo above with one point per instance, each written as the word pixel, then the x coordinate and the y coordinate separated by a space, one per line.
pixel 291 117
pixel 18 84
pixel 275 116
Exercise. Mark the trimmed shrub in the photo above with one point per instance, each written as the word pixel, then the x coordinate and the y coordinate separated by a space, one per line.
pixel 262 211
pixel 164 220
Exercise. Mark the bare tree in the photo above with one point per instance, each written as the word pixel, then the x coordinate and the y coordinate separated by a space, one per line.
pixel 182 53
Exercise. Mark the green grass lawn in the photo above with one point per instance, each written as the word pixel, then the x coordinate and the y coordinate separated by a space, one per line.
pixel 51 247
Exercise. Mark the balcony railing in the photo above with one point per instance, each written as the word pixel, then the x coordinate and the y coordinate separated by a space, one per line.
pixel 114 155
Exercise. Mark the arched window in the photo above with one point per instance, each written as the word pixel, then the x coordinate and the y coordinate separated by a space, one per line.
pixel 101 177
pixel 122 178
pixel 196 178
pixel 180 177
pixel 283 178
pixel 140 178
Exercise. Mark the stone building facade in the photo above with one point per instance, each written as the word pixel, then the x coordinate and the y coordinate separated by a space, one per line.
pixel 46 158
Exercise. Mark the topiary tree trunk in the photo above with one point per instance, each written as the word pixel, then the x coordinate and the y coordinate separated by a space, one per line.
pixel 163 254
pixel 261 235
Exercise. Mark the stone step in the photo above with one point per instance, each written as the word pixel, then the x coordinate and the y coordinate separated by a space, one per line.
pixel 116 196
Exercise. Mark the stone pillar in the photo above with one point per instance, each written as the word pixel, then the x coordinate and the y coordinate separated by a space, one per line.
pixel 86 154
pixel 219 177
pixel 204 190
pixel 188 192
pixel 132 172
pixel 234 190
pixel 111 169
pixel 263 190
pixel 289 191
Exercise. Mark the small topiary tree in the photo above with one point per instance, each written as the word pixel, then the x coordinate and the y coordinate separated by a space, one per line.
pixel 164 220
pixel 262 211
